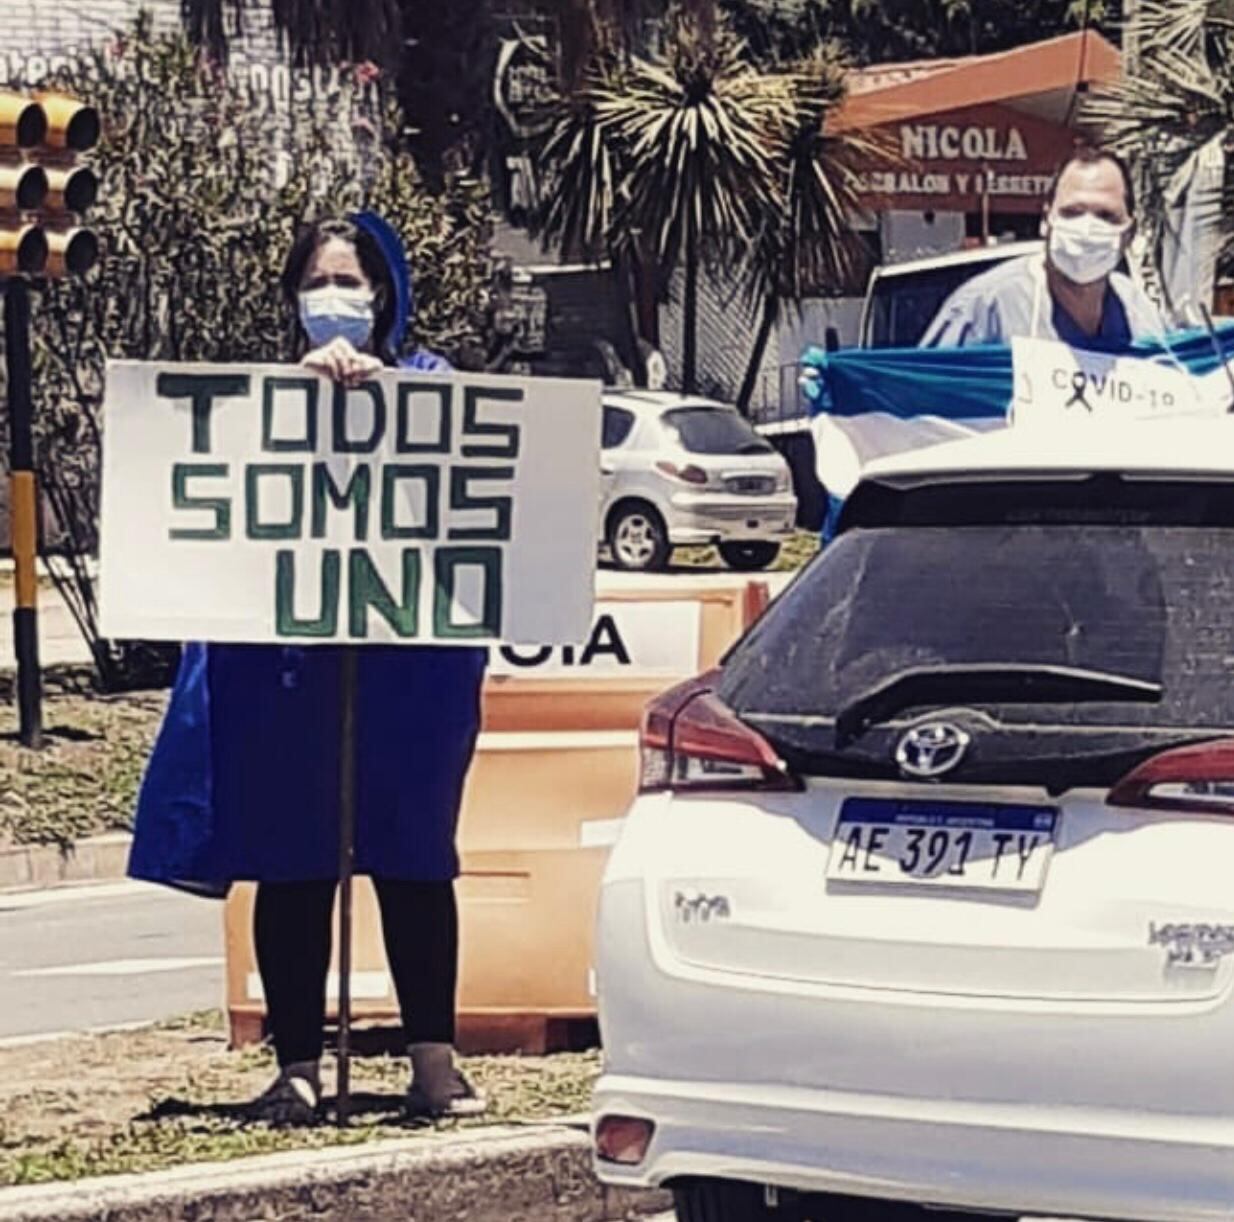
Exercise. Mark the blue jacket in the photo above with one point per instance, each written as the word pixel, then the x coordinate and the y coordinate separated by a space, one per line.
pixel 243 782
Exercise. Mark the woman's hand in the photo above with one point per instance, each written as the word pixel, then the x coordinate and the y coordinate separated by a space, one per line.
pixel 339 361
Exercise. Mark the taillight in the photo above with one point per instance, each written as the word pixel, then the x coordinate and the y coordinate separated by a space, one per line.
pixel 689 474
pixel 1198 778
pixel 623 1139
pixel 691 741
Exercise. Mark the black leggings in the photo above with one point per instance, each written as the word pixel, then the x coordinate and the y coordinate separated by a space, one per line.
pixel 292 931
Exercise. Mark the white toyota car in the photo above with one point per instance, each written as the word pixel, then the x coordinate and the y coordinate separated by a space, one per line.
pixel 928 895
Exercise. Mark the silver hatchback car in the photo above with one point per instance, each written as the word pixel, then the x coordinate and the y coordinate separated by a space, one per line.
pixel 680 470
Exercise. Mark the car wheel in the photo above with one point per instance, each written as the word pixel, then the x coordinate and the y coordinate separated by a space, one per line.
pixel 637 539
pixel 745 557
pixel 724 1201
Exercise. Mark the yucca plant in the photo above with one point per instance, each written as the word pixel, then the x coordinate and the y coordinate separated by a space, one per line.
pixel 690 133
pixel 584 162
pixel 1173 107
pixel 806 244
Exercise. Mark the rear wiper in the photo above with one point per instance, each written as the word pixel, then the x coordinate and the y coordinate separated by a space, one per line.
pixel 1032 684
pixel 755 447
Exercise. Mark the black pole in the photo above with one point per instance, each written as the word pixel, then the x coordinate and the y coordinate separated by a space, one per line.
pixel 23 511
pixel 346 868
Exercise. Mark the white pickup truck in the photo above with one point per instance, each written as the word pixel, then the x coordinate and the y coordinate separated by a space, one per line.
pixel 903 298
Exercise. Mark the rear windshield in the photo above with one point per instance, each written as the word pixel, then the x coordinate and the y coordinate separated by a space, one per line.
pixel 712 430
pixel 1060 586
pixel 902 307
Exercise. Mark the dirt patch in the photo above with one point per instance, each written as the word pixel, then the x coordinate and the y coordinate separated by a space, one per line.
pixel 173 1094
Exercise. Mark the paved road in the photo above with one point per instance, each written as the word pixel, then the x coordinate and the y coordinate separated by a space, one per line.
pixel 81 958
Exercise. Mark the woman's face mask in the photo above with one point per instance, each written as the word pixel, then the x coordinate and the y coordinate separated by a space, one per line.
pixel 1085 248
pixel 334 312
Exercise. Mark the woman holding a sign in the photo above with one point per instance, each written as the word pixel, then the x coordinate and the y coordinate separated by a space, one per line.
pixel 243 783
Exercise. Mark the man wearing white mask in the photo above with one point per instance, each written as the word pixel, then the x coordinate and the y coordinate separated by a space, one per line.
pixel 1074 294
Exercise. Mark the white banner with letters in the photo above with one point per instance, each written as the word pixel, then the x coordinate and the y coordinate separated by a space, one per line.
pixel 1055 383
pixel 266 504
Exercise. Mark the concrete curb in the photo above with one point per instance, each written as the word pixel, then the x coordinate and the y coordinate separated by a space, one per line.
pixel 95 859
pixel 494 1175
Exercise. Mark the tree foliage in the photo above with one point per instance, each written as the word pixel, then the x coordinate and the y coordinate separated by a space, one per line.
pixel 1177 101
pixel 444 84
pixel 194 227
pixel 316 31
pixel 883 31
pixel 805 242
pixel 666 158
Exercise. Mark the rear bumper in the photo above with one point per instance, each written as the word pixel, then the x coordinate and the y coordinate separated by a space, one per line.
pixel 1056 1109
pixel 936 1152
pixel 693 519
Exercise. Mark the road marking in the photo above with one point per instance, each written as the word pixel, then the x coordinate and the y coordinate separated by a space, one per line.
pixel 118 967
pixel 74 892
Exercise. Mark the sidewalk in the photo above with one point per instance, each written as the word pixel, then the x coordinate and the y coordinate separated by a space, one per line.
pixel 60 640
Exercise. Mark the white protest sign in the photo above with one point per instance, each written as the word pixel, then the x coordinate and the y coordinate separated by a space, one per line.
pixel 1055 383
pixel 266 504
pixel 655 639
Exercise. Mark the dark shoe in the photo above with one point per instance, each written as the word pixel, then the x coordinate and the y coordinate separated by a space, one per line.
pixel 460 1101
pixel 292 1100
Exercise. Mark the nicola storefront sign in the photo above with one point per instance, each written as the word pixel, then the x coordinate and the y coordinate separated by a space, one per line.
pixel 957 161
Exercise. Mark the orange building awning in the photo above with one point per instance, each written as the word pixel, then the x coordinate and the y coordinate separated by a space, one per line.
pixel 1041 77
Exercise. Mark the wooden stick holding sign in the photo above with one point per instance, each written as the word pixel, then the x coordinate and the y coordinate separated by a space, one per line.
pixel 348 684
pixel 267 505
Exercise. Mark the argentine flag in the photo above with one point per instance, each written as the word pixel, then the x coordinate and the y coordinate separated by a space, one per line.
pixel 868 403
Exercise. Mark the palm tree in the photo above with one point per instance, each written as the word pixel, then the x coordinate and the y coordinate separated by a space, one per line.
pixel 691 132
pixel 1169 111
pixel 806 242
pixel 441 56
pixel 352 31
pixel 579 147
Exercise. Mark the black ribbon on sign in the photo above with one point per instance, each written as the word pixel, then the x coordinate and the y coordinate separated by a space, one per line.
pixel 1079 384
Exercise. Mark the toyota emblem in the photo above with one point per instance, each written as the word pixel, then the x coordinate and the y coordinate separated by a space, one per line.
pixel 931 749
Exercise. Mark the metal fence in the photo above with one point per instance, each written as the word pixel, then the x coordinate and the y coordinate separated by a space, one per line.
pixel 779 398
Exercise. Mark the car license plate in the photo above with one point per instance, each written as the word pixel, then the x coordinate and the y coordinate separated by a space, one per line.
pixel 942 844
